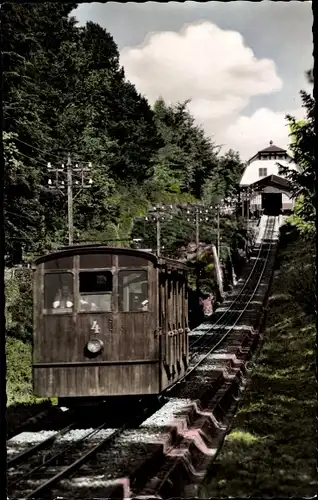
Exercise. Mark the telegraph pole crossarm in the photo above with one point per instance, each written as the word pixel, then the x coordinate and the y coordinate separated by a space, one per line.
pixel 71 185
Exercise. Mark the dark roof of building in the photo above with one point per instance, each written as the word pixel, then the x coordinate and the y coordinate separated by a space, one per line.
pixel 272 149
pixel 271 180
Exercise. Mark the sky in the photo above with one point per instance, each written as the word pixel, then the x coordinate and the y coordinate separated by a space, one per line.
pixel 242 64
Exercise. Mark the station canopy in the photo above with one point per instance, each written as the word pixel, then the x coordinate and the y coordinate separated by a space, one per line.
pixel 271 180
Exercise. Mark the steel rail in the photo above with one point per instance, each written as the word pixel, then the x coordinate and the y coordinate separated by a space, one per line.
pixel 57 455
pixel 228 332
pixel 231 313
pixel 163 468
pixel 75 465
pixel 239 294
pixel 29 452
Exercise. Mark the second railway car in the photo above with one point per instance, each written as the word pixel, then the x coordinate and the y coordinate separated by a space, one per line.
pixel 108 322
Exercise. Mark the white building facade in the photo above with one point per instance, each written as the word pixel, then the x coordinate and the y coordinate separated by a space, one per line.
pixel 268 189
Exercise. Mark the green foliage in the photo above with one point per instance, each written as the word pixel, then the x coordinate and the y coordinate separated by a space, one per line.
pixel 79 101
pixel 65 92
pixel 18 306
pixel 12 296
pixel 301 279
pixel 300 217
pixel 19 371
pixel 30 108
pixel 225 179
pixel 187 157
pixel 304 181
pixel 21 207
pixel 274 427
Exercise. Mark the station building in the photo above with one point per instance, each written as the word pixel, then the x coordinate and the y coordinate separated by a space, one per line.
pixel 263 188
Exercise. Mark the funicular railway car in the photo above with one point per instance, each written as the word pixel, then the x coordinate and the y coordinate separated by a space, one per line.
pixel 108 322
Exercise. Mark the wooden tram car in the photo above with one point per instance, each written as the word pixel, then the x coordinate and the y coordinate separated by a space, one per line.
pixel 108 322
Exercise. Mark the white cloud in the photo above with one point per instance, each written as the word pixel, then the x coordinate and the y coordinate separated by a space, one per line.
pixel 219 73
pixel 201 62
pixel 249 134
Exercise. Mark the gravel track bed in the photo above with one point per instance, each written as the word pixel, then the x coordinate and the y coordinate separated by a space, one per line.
pixel 122 460
pixel 73 437
pixel 22 417
pixel 38 431
pixel 27 440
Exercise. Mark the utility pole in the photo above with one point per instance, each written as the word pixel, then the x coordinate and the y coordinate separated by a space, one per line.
pixel 243 199
pixel 197 232
pixel 248 208
pixel 155 214
pixel 70 200
pixel 197 243
pixel 158 234
pixel 195 213
pixel 81 181
pixel 218 230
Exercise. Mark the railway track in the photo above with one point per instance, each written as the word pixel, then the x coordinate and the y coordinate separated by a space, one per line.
pixel 229 318
pixel 37 471
pixel 43 465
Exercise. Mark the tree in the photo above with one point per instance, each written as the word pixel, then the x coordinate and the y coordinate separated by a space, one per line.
pixel 187 158
pixel 22 211
pixel 225 179
pixel 303 181
pixel 69 94
pixel 30 108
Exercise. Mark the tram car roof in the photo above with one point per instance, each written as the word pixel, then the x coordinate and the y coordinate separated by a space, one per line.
pixel 81 249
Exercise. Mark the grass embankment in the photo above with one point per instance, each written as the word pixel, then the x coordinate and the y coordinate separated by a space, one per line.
pixel 19 372
pixel 21 403
pixel 271 448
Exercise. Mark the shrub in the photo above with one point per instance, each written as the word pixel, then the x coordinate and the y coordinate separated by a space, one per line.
pixel 19 371
pixel 18 306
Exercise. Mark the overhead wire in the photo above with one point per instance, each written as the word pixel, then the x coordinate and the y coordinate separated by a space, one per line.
pixel 42 162
pixel 46 153
pixel 29 216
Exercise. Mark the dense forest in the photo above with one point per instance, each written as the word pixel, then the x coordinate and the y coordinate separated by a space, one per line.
pixel 66 93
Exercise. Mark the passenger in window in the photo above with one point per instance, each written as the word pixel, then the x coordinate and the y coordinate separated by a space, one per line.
pixel 63 299
pixel 88 305
pixel 144 300
pixel 144 305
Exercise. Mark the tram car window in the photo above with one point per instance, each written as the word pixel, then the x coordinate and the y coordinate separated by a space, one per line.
pixel 133 291
pixel 58 293
pixel 108 322
pixel 95 288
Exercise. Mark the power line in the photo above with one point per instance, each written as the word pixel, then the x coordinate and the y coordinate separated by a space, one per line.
pixel 187 212
pixel 42 162
pixel 30 146
pixel 46 153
